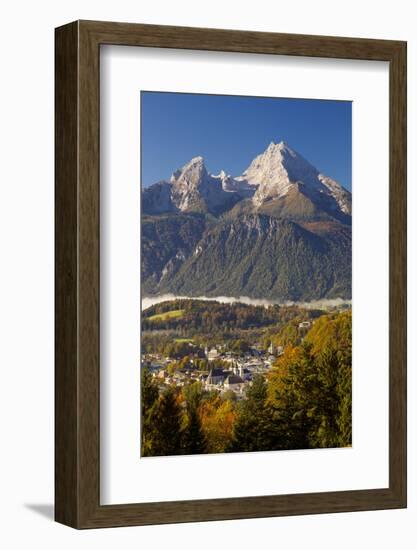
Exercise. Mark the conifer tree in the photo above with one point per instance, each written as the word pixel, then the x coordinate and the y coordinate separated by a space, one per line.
pixel 149 398
pixel 193 438
pixel 253 429
pixel 166 418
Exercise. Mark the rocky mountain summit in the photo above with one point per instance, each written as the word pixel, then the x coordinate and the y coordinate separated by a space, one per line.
pixel 273 176
pixel 280 231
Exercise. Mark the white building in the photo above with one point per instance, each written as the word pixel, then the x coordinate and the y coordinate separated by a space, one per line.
pixel 212 354
pixel 239 370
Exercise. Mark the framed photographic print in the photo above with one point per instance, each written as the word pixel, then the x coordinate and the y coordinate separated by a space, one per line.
pixel 230 274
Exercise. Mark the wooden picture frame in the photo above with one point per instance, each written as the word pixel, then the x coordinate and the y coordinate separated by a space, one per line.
pixel 77 382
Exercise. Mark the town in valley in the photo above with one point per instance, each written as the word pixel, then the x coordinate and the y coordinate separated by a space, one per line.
pixel 231 377
pixel 223 367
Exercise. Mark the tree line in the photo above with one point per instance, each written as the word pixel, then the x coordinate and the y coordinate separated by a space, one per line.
pixel 206 316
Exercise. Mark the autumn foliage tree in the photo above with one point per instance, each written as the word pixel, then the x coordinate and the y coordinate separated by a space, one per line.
pixel 217 418
pixel 310 387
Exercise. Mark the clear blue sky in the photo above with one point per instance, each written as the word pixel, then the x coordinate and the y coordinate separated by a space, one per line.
pixel 229 131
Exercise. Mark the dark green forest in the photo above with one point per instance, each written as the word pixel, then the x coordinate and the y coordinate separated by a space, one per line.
pixel 249 254
pixel 201 316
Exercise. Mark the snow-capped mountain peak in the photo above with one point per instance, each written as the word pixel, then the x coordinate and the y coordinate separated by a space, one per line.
pixel 279 168
pixel 276 169
pixel 194 189
pixel 269 177
pixel 191 174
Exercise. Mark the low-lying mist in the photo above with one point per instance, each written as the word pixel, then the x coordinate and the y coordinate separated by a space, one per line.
pixel 315 304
